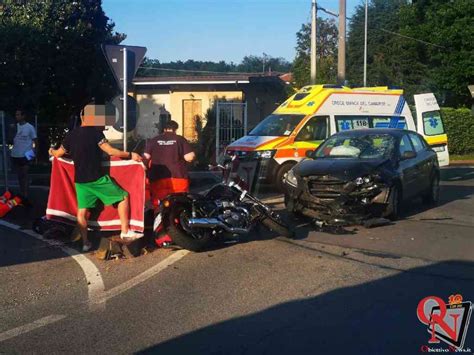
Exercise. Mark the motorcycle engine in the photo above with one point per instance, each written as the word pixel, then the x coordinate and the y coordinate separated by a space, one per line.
pixel 234 216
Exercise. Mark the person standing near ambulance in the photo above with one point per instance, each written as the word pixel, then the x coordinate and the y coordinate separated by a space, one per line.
pixel 168 155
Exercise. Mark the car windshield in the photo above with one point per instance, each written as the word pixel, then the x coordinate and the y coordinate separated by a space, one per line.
pixel 277 125
pixel 369 146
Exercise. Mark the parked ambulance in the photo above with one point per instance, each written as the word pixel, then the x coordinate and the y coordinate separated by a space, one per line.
pixel 315 112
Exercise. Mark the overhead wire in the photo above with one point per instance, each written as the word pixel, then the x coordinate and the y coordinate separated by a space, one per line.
pixel 319 8
pixel 384 30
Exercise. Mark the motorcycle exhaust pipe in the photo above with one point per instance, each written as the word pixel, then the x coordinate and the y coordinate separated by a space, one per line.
pixel 214 223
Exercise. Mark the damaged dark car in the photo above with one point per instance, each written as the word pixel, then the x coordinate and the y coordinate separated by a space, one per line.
pixel 357 176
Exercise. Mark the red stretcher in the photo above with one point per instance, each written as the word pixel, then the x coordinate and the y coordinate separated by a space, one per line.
pixel 62 201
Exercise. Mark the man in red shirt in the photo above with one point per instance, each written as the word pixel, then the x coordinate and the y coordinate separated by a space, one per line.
pixel 168 155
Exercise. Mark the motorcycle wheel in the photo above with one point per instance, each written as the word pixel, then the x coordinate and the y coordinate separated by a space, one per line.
pixel 194 242
pixel 275 224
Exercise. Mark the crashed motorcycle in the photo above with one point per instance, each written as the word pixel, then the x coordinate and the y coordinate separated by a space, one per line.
pixel 227 210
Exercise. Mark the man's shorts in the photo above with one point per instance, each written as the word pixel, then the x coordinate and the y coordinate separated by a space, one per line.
pixel 103 189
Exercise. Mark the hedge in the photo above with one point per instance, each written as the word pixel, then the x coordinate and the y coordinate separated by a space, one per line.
pixel 459 126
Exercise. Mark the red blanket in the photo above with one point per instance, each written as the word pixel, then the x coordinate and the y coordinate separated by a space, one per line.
pixel 62 202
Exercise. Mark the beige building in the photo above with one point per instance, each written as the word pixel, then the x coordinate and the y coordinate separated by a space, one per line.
pixel 187 99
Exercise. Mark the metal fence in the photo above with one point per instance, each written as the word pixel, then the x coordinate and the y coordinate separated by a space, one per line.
pixel 231 123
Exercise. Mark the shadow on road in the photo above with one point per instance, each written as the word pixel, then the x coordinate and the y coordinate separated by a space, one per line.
pixel 377 317
pixel 461 173
pixel 449 191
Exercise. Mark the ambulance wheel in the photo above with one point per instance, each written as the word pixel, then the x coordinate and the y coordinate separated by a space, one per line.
pixel 280 185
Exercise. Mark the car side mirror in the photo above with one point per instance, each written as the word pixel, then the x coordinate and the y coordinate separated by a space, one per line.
pixel 310 154
pixel 409 154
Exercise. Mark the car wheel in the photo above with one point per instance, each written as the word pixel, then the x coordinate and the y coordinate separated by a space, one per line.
pixel 395 198
pixel 432 196
pixel 280 185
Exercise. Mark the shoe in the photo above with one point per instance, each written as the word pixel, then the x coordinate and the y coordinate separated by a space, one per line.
pixel 131 235
pixel 86 247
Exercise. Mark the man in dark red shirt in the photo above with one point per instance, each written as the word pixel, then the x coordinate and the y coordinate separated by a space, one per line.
pixel 168 155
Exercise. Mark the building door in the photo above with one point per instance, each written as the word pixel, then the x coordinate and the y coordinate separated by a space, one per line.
pixel 192 111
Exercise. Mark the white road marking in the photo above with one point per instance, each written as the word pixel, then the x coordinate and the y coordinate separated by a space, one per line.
pixel 95 284
pixel 31 326
pixel 96 290
pixel 117 290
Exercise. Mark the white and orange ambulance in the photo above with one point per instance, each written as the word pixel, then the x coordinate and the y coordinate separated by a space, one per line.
pixel 315 112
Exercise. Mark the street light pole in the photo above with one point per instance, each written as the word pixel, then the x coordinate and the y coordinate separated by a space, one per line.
pixel 341 57
pixel 314 9
pixel 365 43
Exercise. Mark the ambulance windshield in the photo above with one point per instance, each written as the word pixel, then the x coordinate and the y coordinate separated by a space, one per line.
pixel 277 125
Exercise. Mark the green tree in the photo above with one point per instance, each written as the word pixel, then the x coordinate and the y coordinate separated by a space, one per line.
pixel 326 53
pixel 420 46
pixel 448 25
pixel 51 59
pixel 249 64
pixel 254 64
pixel 391 59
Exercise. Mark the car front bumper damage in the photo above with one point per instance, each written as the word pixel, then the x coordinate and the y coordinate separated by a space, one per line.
pixel 336 203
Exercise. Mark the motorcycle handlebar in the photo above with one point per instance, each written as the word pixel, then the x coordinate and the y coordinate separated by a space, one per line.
pixel 218 166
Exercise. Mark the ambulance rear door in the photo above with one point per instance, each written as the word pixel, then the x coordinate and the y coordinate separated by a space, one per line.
pixel 429 124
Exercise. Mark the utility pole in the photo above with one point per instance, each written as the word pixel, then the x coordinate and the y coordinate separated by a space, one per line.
pixel 341 57
pixel 314 9
pixel 365 42
pixel 264 59
pixel 125 95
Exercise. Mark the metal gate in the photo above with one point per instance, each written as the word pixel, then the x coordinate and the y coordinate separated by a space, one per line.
pixel 231 123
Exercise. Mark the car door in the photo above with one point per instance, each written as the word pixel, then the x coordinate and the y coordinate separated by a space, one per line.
pixel 423 162
pixel 407 168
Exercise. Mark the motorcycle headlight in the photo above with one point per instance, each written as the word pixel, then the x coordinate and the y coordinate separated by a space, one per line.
pixel 265 154
pixel 291 178
pixel 363 180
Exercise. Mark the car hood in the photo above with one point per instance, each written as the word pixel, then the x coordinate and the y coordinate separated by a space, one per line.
pixel 342 168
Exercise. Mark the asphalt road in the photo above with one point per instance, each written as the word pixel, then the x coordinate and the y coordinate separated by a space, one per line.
pixel 322 293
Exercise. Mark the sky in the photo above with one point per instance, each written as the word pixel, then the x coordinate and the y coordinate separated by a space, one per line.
pixel 214 30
